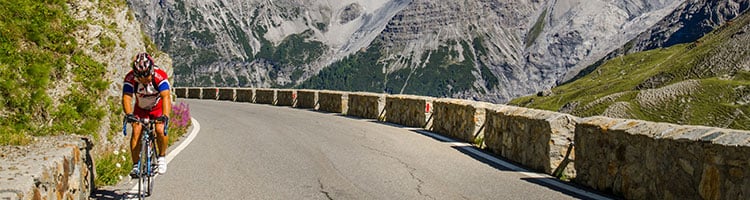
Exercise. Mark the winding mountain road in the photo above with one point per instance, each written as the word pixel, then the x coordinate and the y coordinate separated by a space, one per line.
pixel 252 151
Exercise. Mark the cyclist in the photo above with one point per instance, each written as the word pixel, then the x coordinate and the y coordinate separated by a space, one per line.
pixel 150 86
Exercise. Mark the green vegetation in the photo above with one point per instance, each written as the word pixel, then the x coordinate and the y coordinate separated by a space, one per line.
pixel 358 72
pixel 108 6
pixel 35 44
pixel 242 39
pixel 204 36
pixel 442 75
pixel 294 50
pixel 536 30
pixel 490 79
pixel 106 44
pixel 715 101
pixel 111 166
pixel 321 26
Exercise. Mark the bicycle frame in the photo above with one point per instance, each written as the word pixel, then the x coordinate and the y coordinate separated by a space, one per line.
pixel 148 153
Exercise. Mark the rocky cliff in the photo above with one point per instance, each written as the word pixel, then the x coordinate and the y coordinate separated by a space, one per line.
pixel 484 50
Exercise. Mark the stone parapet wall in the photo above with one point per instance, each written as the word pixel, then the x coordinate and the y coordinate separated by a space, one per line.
pixel 285 97
pixel 180 92
pixel 210 93
pixel 227 94
pixel 631 158
pixel 647 160
pixel 245 95
pixel 366 105
pixel 408 110
pixel 534 138
pixel 51 168
pixel 194 93
pixel 307 99
pixel 332 101
pixel 265 96
pixel 460 119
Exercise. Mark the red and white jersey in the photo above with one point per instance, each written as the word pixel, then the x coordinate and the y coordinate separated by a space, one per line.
pixel 147 96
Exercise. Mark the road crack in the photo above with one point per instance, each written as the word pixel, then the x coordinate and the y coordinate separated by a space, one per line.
pixel 322 190
pixel 411 170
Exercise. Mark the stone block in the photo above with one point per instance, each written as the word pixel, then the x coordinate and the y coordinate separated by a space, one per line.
pixel 52 168
pixel 210 93
pixel 366 105
pixel 648 160
pixel 180 92
pixel 536 139
pixel 333 101
pixel 194 93
pixel 285 97
pixel 460 119
pixel 227 94
pixel 265 96
pixel 408 110
pixel 245 95
pixel 307 99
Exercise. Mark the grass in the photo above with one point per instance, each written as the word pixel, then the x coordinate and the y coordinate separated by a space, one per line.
pixel 112 167
pixel 536 30
pixel 713 103
pixel 35 43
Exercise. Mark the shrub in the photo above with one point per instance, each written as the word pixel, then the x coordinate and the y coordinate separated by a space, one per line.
pixel 179 121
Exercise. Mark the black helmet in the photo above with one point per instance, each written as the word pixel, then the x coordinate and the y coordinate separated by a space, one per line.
pixel 143 65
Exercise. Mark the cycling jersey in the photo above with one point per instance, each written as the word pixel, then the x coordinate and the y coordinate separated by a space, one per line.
pixel 147 96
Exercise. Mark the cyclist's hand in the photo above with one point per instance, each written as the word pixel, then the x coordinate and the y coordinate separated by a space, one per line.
pixel 162 118
pixel 130 118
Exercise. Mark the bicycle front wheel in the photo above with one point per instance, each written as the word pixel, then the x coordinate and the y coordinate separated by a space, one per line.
pixel 143 170
pixel 154 167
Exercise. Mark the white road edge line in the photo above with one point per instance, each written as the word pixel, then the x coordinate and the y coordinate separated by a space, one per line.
pixel 178 149
pixel 183 145
pixel 542 177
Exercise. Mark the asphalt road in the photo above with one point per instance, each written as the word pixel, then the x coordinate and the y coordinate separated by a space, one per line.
pixel 252 151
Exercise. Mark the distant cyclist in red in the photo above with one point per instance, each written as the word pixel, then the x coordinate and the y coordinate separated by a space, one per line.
pixel 150 86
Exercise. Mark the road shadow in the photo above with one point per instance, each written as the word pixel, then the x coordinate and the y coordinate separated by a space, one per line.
pixel 545 182
pixel 111 194
pixel 548 182
pixel 465 150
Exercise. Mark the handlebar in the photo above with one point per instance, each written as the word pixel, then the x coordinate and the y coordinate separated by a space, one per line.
pixel 146 121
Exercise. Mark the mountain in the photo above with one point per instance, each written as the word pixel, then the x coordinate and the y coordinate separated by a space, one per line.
pixel 474 49
pixel 705 82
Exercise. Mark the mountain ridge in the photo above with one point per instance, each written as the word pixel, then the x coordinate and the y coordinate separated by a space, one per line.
pixel 505 48
pixel 706 82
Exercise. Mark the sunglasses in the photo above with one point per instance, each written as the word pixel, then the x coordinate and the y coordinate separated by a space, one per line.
pixel 142 74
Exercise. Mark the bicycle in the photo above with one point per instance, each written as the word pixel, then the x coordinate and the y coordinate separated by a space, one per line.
pixel 147 165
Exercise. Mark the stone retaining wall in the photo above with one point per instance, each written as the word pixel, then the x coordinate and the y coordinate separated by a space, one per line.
pixel 366 105
pixel 51 168
pixel 210 93
pixel 285 97
pixel 534 138
pixel 195 93
pixel 634 159
pixel 245 95
pixel 226 94
pixel 307 99
pixel 407 110
pixel 265 96
pixel 647 160
pixel 332 101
